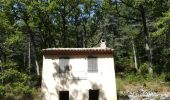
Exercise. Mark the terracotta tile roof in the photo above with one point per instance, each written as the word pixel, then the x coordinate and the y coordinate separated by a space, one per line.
pixel 77 51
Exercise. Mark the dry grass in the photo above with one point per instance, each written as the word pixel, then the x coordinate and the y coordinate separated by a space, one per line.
pixel 160 87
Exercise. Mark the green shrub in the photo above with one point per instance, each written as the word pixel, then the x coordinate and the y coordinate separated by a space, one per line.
pixel 167 67
pixel 167 71
pixel 167 77
pixel 134 77
pixel 144 68
pixel 119 84
pixel 14 84
pixel 158 69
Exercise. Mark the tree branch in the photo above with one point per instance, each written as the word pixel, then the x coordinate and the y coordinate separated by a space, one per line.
pixel 128 5
pixel 130 18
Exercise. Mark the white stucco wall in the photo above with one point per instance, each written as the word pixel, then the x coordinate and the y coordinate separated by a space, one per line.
pixel 78 81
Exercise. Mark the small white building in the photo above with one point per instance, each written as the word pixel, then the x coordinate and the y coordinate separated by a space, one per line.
pixel 78 74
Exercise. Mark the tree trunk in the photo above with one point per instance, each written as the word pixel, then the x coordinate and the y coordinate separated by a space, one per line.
pixel 64 27
pixel 24 58
pixel 36 62
pixel 2 81
pixel 134 54
pixel 35 56
pixel 29 33
pixel 147 39
pixel 29 55
pixel 84 35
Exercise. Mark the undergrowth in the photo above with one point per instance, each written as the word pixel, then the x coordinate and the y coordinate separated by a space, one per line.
pixel 150 81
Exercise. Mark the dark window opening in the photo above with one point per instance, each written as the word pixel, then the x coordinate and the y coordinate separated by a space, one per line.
pixel 93 94
pixel 103 40
pixel 92 64
pixel 63 64
pixel 64 95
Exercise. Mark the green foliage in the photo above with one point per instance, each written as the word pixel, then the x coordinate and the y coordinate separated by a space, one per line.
pixel 81 23
pixel 167 66
pixel 144 69
pixel 167 71
pixel 167 77
pixel 119 84
pixel 13 82
pixel 162 24
pixel 14 90
pixel 134 78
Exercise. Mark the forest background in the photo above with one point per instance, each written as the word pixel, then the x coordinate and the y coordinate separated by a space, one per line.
pixel 137 30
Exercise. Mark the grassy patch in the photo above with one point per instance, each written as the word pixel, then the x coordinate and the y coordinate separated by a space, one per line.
pixel 35 94
pixel 136 81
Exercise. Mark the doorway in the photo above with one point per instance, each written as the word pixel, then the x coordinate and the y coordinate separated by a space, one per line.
pixel 64 95
pixel 93 94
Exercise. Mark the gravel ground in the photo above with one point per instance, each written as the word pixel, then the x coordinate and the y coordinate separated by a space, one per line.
pixel 143 94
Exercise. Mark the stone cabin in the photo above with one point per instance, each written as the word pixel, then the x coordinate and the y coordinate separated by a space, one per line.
pixel 78 74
